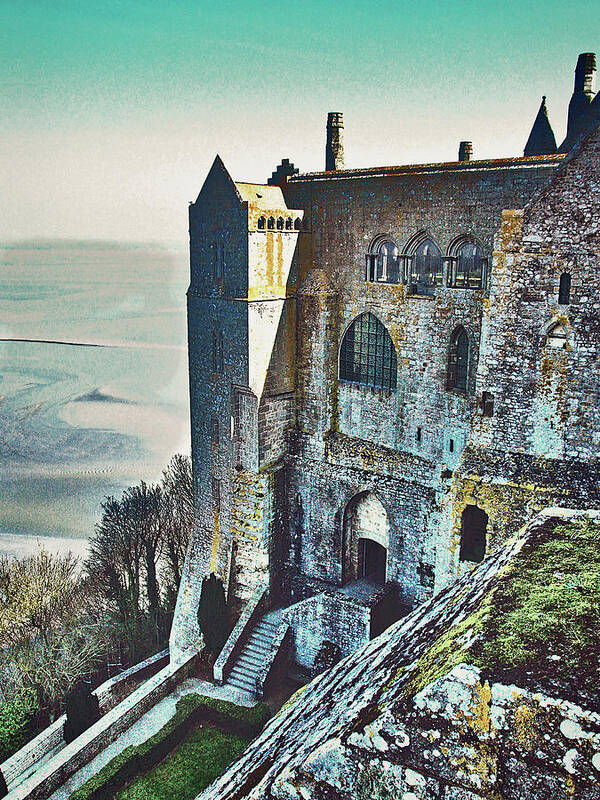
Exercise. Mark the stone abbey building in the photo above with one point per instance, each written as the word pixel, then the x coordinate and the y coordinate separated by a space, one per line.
pixel 391 371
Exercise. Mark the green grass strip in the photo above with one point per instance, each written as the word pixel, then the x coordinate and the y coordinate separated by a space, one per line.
pixel 131 760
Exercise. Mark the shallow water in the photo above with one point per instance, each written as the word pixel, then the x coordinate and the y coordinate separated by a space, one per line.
pixel 78 422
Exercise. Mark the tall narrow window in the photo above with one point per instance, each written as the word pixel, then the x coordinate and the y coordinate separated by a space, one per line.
pixel 368 355
pixel 297 224
pixel 473 534
pixel 289 224
pixel 469 267
pixel 262 223
pixel 271 223
pixel 426 267
pixel 216 493
pixel 219 260
pixel 217 351
pixel 564 289
pixel 458 361
pixel 279 223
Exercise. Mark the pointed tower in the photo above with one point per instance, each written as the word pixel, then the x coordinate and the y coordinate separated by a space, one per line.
pixel 541 140
pixel 583 94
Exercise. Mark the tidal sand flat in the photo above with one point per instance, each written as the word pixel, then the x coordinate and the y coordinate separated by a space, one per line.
pixel 93 380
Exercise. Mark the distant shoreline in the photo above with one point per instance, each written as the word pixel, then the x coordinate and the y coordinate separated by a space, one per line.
pixel 56 341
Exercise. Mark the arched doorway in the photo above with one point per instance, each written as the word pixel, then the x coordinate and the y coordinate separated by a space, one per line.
pixel 366 539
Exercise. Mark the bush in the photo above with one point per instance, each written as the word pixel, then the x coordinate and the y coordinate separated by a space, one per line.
pixel 82 709
pixel 213 616
pixel 15 717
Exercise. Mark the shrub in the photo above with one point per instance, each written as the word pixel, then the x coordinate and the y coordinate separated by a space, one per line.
pixel 15 717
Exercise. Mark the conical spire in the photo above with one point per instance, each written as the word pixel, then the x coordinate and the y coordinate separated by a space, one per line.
pixel 541 140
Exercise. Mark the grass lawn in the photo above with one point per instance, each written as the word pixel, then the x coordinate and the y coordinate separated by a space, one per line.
pixel 189 768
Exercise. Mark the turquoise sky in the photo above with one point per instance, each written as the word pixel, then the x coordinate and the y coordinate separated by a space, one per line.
pixel 113 111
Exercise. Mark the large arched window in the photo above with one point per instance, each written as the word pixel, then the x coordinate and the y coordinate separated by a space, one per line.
pixel 383 263
pixel 469 267
pixel 458 360
pixel 368 355
pixel 426 267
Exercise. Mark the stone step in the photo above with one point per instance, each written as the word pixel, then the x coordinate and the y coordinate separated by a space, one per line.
pixel 242 687
pixel 250 660
pixel 242 682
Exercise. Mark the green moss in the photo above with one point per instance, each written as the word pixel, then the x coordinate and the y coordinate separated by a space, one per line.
pixel 539 623
pixel 188 769
pixel 135 755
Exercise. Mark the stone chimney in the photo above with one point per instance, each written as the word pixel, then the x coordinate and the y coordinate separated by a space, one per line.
pixel 465 151
pixel 334 149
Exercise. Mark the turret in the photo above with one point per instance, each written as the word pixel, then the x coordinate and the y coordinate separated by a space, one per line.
pixel 334 149
pixel 541 139
pixel 583 94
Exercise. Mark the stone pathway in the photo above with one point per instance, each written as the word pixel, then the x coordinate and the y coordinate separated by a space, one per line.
pixel 152 721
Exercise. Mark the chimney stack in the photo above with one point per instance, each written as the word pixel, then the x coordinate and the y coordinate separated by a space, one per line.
pixel 584 73
pixel 334 149
pixel 465 151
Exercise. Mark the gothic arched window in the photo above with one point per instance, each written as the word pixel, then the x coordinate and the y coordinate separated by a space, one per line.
pixel 368 355
pixel 297 224
pixel 383 264
pixel 279 223
pixel 564 289
pixel 426 268
pixel 271 223
pixel 289 224
pixel 469 267
pixel 458 360
pixel 261 223
pixel 473 534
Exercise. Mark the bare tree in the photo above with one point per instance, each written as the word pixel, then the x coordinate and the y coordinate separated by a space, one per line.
pixel 179 516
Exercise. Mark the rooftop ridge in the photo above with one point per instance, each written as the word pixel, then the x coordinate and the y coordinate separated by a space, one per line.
pixel 442 166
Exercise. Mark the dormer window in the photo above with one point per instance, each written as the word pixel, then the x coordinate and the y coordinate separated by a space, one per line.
pixel 383 263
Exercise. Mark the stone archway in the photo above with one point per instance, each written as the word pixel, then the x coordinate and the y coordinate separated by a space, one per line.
pixel 366 539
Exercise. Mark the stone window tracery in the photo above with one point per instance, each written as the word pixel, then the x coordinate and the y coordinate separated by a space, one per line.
pixel 383 264
pixel 426 270
pixel 368 355
pixel 469 267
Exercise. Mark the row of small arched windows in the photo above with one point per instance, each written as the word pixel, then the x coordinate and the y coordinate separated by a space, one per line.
pixel 279 224
pixel 422 265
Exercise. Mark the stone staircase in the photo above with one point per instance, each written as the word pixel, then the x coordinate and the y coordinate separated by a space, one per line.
pixel 254 653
